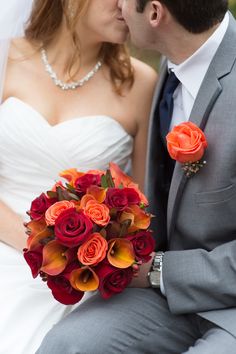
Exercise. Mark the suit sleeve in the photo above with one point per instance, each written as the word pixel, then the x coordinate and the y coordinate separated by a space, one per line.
pixel 198 280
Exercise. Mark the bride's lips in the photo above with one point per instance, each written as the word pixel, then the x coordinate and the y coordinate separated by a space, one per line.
pixel 120 18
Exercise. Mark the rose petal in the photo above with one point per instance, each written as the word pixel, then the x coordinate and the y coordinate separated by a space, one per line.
pixel 93 251
pixel 186 142
pixel 85 199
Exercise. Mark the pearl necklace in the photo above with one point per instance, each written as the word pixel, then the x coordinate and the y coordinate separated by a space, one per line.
pixel 64 85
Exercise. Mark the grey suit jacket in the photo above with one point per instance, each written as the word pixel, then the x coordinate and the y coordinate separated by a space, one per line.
pixel 199 270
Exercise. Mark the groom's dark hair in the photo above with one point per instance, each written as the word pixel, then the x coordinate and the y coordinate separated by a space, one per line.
pixel 196 16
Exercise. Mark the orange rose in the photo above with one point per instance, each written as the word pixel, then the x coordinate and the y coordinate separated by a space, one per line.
pixel 186 143
pixel 93 251
pixel 56 209
pixel 98 213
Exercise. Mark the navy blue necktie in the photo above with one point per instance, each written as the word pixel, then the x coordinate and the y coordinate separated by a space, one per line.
pixel 166 104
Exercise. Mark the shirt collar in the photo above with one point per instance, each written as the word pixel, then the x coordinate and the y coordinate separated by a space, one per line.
pixel 192 71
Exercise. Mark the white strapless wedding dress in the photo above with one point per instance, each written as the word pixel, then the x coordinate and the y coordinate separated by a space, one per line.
pixel 32 153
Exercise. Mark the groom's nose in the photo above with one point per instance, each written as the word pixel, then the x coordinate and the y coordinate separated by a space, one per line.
pixel 120 3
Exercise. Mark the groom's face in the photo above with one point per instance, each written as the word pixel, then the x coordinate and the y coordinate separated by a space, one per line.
pixel 137 22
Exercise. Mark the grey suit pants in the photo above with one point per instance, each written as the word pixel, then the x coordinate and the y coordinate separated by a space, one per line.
pixel 137 321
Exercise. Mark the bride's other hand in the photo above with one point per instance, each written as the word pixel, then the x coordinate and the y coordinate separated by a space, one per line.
pixel 12 228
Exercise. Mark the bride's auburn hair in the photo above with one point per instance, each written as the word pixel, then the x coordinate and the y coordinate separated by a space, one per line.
pixel 46 19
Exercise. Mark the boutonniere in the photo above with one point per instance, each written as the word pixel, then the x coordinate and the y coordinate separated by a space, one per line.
pixel 186 144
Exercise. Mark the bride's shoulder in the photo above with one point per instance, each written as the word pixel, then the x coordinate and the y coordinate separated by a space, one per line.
pixel 143 71
pixel 145 80
pixel 20 48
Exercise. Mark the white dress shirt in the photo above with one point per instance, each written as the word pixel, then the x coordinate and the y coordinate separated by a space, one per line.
pixel 191 74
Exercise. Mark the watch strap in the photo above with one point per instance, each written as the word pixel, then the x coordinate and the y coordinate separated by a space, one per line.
pixel 154 275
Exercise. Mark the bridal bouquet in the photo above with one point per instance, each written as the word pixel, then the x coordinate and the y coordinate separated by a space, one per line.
pixel 89 234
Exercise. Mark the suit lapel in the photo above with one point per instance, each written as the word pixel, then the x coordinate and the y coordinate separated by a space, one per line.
pixel 208 94
pixel 200 113
pixel 152 135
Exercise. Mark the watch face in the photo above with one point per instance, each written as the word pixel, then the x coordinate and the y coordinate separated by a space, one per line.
pixel 154 278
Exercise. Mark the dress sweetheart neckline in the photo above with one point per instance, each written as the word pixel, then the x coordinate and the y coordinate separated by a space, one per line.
pixel 28 106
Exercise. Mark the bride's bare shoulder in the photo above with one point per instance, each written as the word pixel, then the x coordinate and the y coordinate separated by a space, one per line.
pixel 145 80
pixel 21 48
pixel 143 71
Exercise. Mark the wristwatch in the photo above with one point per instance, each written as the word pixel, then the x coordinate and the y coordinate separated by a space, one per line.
pixel 154 275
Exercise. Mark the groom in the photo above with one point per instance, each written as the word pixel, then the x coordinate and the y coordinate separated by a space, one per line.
pixel 190 306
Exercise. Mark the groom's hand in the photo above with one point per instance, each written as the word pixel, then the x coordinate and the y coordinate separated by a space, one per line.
pixel 141 279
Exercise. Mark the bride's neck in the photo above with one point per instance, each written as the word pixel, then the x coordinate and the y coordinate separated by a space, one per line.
pixel 61 49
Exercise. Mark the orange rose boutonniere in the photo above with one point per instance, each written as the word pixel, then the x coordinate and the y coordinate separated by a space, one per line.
pixel 186 143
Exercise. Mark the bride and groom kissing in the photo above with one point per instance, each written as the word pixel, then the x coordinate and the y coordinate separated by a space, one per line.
pixel 183 300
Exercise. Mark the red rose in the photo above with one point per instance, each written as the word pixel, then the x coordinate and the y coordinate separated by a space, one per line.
pixel 112 280
pixel 34 260
pixel 72 227
pixel 84 182
pixel 132 196
pixel 39 206
pixel 143 244
pixel 61 288
pixel 120 198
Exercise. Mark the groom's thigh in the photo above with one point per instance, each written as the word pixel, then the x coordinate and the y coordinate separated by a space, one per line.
pixel 214 341
pixel 137 321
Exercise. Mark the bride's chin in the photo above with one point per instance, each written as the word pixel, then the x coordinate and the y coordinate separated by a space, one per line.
pixel 122 38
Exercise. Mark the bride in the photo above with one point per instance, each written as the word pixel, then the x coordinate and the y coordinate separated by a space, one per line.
pixel 70 97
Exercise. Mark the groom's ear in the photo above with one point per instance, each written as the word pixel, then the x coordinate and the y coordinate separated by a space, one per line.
pixel 155 13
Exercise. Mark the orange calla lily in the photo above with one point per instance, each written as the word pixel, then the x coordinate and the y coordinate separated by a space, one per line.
pixel 98 193
pixel 71 175
pixel 120 253
pixel 139 218
pixel 35 226
pixel 54 258
pixel 34 241
pixel 97 172
pixel 84 279
pixel 127 215
pixel 120 178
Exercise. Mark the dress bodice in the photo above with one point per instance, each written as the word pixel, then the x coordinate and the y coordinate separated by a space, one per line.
pixel 32 152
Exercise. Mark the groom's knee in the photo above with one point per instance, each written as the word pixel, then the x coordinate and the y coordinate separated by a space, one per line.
pixel 74 336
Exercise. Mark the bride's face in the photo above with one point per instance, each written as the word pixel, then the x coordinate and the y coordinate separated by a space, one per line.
pixel 103 21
